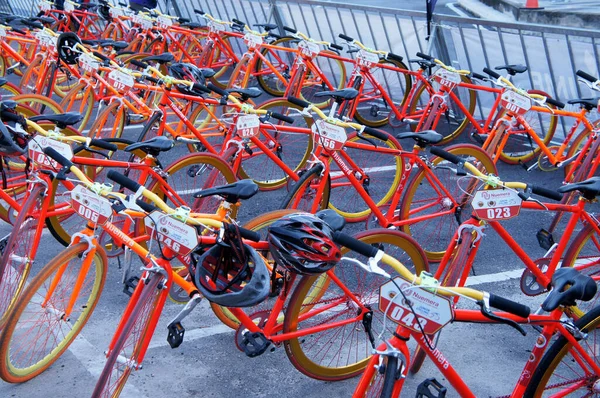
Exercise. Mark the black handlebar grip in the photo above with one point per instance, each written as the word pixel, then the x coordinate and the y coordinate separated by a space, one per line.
pixel 382 135
pixel 478 76
pixel 238 22
pixel 58 157
pixel 122 4
pixel 283 118
pixel 555 102
pixel 425 56
pixel 152 79
pixel 291 30
pixel 250 235
pixel 394 57
pixel 217 90
pixel 103 144
pixel 298 101
pixel 492 73
pixel 19 31
pixel 123 181
pixel 586 76
pixel 343 36
pixel 199 12
pixel 183 20
pixel 201 87
pixel 147 207
pixel 509 306
pixel 101 56
pixel 445 155
pixel 354 244
pixel 336 46
pixel 138 63
pixel 547 193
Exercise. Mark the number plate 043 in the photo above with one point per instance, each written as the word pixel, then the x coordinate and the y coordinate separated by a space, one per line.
pixel 90 205
pixel 434 312
pixel 496 204
pixel 177 235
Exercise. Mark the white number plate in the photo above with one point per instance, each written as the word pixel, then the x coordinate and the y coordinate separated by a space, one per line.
pixel 178 236
pixel 144 22
pixel 164 22
pixel 515 103
pixel 309 49
pixel 69 7
pixel 366 58
pixel 90 205
pixel 35 149
pixel 447 78
pixel 215 27
pixel 332 137
pixel 253 40
pixel 248 126
pixel 496 204
pixel 46 39
pixel 120 80
pixel 44 6
pixel 434 311
pixel 116 12
pixel 88 63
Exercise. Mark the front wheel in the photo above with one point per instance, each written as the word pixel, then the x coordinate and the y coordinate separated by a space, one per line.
pixel 310 193
pixel 40 328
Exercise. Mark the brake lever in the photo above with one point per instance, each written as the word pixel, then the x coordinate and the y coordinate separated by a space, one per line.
pixel 87 148
pixel 489 314
pixel 362 137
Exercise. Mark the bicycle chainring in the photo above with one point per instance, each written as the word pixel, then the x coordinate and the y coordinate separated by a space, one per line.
pixel 176 293
pixel 529 283
pixel 260 320
pixel 543 161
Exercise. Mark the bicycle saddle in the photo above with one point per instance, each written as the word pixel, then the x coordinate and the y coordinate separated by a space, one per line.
pixel 46 20
pixel 344 94
pixel 117 45
pixel 3 82
pixel 250 92
pixel 193 25
pixel 153 146
pixel 423 138
pixel 243 189
pixel 512 69
pixel 61 120
pixel 423 63
pixel 332 218
pixel 589 188
pixel 588 103
pixel 161 59
pixel 569 285
pixel 32 24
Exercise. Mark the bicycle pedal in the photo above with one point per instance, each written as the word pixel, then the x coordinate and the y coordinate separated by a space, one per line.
pixel 130 284
pixel 175 336
pixel 254 344
pixel 424 390
pixel 545 239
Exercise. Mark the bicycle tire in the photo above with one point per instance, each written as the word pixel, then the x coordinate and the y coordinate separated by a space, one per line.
pixel 558 354
pixel 32 104
pixel 81 100
pixel 109 123
pixel 342 365
pixel 138 322
pixel 29 79
pixel 302 196
pixel 575 147
pixel 269 82
pixel 421 198
pixel 398 86
pixel 8 91
pixel 20 334
pixel 453 115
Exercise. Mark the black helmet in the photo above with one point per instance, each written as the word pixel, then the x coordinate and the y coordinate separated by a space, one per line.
pixel 232 278
pixel 64 45
pixel 302 243
pixel 190 72
pixel 11 142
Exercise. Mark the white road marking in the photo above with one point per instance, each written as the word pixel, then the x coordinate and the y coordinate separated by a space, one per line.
pixel 457 10
pixel 194 334
pixel 490 278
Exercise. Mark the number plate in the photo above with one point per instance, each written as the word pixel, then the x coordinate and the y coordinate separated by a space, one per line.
pixel 332 137
pixel 116 12
pixel 144 22
pixel 253 40
pixel 90 205
pixel 120 80
pixel 515 103
pixel 88 63
pixel 164 22
pixel 496 204
pixel 215 27
pixel 248 126
pixel 178 236
pixel 44 6
pixel 434 311
pixel 366 58
pixel 309 49
pixel 35 149
pixel 447 78
pixel 69 7
pixel 45 39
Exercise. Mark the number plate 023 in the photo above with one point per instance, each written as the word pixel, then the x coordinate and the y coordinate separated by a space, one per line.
pixel 90 205
pixel 496 204
pixel 434 312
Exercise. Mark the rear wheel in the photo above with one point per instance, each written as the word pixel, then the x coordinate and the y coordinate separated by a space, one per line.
pixel 81 100
pixel 109 123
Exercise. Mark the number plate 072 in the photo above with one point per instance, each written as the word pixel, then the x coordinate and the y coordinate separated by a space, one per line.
pixel 496 204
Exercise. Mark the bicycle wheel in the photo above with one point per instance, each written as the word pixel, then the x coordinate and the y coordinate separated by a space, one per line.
pixel 8 91
pixel 562 372
pixel 29 80
pixel 379 173
pixel 453 120
pixel 304 192
pixel 281 60
pixel 19 251
pixel 575 147
pixel 80 99
pixel 442 202
pixel 373 109
pixel 36 104
pixel 128 340
pixel 337 353
pixel 291 148
pixel 37 331
pixel 109 123
pixel 520 147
